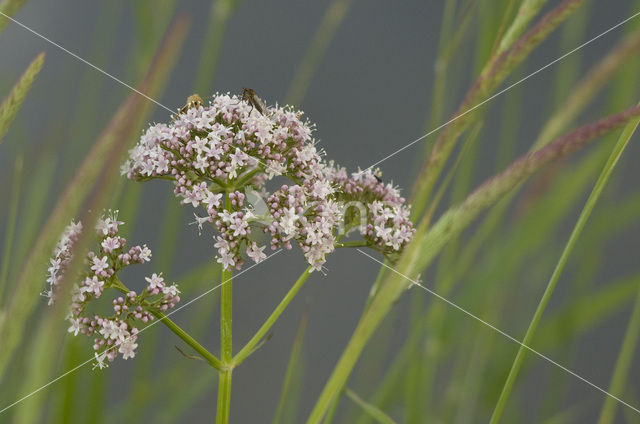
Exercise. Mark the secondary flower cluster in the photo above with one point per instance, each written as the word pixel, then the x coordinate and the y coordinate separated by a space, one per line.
pixel 116 333
pixel 214 153
pixel 387 226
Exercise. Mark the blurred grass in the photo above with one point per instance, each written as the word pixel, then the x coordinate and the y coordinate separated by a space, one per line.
pixel 287 409
pixel 11 105
pixel 104 158
pixel 9 7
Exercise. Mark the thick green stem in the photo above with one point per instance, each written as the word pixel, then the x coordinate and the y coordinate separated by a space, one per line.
pixel 251 344
pixel 226 352
pixel 224 396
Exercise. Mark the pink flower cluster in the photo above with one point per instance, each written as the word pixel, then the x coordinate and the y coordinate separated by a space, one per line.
pixel 215 153
pixel 116 333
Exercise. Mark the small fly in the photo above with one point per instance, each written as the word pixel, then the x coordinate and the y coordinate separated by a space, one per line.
pixel 192 101
pixel 250 96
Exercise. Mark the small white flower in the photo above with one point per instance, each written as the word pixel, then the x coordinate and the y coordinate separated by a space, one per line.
pixel 100 364
pixel 145 253
pixel 93 285
pixel 226 259
pixel 110 244
pixel 75 326
pixel 127 348
pixel 171 290
pixel 256 253
pixel 99 264
pixel 155 282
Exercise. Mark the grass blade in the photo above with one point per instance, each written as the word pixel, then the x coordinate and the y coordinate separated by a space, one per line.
pixel 372 410
pixel 9 7
pixel 332 19
pixel 11 105
pixel 221 11
pixel 621 370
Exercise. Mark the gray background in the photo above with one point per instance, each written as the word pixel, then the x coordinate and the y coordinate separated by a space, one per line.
pixel 369 97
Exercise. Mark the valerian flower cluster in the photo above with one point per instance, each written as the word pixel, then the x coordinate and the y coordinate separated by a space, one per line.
pixel 223 150
pixel 116 333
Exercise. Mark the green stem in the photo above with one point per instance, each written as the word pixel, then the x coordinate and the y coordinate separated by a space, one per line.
pixel 175 328
pixel 224 396
pixel 623 363
pixel 226 350
pixel 251 344
pixel 582 220
pixel 224 377
pixel 208 356
pixel 355 243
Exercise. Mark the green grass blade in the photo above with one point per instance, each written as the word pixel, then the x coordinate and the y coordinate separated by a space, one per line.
pixel 623 364
pixel 527 11
pixel 9 7
pixel 332 19
pixel 582 220
pixel 11 105
pixel 221 11
pixel 373 411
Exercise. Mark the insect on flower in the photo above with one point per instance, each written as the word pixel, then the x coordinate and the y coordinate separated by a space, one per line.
pixel 250 96
pixel 192 101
